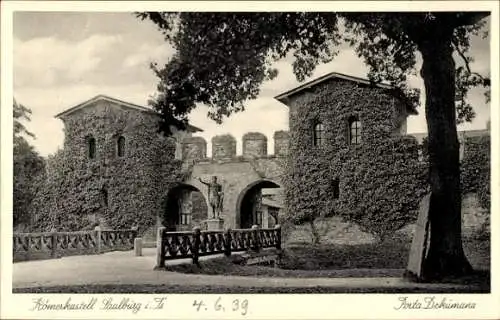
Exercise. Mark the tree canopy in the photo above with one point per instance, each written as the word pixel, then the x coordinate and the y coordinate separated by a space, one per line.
pixel 20 113
pixel 28 164
pixel 222 59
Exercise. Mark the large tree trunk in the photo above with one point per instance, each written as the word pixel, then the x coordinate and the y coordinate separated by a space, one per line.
pixel 445 257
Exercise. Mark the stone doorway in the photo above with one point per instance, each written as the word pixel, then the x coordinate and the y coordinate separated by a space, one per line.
pixel 250 210
pixel 185 207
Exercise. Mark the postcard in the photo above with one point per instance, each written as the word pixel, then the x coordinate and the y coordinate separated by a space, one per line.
pixel 250 160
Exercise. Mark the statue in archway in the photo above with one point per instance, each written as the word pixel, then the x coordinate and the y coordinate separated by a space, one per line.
pixel 215 196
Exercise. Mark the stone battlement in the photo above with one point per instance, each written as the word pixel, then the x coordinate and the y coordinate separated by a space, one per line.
pixel 254 145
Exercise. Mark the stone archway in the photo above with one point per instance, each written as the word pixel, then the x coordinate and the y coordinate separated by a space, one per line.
pixel 248 205
pixel 184 207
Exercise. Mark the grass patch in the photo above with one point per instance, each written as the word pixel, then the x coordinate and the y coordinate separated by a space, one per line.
pixel 392 253
pixel 478 252
pixel 226 266
pixel 389 254
pixel 383 259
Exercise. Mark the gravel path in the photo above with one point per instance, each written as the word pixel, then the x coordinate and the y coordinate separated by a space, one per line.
pixel 125 268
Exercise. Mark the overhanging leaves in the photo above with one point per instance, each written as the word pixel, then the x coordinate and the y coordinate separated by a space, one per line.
pixel 222 59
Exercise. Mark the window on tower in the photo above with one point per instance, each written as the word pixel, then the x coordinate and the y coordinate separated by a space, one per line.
pixel 354 130
pixel 319 134
pixel 121 146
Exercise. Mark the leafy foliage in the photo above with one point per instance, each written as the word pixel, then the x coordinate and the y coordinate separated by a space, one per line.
pixel 242 47
pixel 71 197
pixel 237 50
pixel 21 113
pixel 381 179
pixel 475 169
pixel 207 69
pixel 27 165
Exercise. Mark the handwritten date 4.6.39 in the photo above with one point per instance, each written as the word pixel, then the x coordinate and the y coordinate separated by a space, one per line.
pixel 220 305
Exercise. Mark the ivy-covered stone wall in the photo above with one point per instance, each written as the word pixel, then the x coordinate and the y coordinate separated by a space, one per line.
pixel 115 191
pixel 476 179
pixel 476 168
pixel 377 183
pixel 194 148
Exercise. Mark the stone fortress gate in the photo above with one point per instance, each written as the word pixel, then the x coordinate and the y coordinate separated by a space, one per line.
pixel 118 159
pixel 117 153
pixel 251 183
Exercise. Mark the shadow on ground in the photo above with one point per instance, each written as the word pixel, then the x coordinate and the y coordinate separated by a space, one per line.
pixel 392 253
pixel 181 289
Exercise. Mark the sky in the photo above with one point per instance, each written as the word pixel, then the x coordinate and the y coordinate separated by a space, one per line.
pixel 64 58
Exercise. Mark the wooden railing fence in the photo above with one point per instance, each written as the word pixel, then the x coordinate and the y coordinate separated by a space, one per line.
pixel 197 243
pixel 48 245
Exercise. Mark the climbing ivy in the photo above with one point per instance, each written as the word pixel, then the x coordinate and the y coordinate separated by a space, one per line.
pixel 70 197
pixel 475 169
pixel 381 180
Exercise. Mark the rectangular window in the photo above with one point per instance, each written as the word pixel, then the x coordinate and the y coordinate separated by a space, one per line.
pixel 354 130
pixel 336 188
pixel 91 147
pixel 319 134
pixel 185 218
pixel 121 146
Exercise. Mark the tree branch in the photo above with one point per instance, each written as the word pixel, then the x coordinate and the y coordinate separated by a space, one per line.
pixel 469 18
pixel 461 53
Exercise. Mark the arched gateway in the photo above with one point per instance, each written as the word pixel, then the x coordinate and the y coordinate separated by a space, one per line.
pixel 184 206
pixel 244 179
pixel 250 207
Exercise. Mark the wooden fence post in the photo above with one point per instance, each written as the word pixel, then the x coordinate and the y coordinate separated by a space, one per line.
pixel 28 249
pixel 98 238
pixel 160 248
pixel 53 251
pixel 278 236
pixel 256 238
pixel 227 242
pixel 137 242
pixel 138 247
pixel 196 245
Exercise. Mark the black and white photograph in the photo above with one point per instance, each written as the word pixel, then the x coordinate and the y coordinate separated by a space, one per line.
pixel 169 161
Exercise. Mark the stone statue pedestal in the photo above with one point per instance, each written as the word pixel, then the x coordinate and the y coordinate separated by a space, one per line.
pixel 215 224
